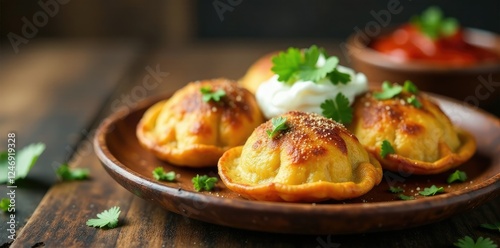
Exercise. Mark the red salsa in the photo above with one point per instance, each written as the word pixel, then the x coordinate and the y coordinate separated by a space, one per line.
pixel 409 43
pixel 432 38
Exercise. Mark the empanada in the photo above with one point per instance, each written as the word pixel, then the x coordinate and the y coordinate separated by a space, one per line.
pixel 258 72
pixel 312 159
pixel 186 130
pixel 423 137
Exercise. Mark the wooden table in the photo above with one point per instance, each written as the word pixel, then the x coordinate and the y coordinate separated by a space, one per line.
pixel 58 92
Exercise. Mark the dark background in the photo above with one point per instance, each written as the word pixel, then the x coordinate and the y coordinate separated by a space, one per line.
pixel 181 21
pixel 317 18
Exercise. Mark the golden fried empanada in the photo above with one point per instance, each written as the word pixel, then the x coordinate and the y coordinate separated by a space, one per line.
pixel 187 130
pixel 423 137
pixel 258 72
pixel 313 159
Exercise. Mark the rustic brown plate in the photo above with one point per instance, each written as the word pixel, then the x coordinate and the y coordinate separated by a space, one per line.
pixel 130 165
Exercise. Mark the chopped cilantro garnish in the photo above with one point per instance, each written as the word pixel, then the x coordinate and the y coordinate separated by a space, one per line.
pixel 386 148
pixel 4 204
pixel 294 65
pixel 338 109
pixel 405 197
pixel 65 173
pixel 457 176
pixel 468 242
pixel 279 124
pixel 432 23
pixel 287 64
pixel 108 218
pixel 395 189
pixel 160 174
pixel 209 95
pixel 311 73
pixel 410 87
pixel 431 191
pixel 337 77
pixel 203 182
pixel 388 91
pixel 414 101
pixel 392 90
pixel 25 158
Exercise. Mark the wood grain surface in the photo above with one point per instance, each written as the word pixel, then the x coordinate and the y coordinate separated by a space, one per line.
pixel 50 93
pixel 59 220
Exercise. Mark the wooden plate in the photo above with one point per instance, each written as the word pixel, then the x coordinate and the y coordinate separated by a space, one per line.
pixel 130 165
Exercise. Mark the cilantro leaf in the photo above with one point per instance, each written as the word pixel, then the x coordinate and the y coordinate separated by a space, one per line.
pixel 494 226
pixel 410 87
pixel 286 64
pixel 315 74
pixel 457 176
pixel 68 174
pixel 386 148
pixel 311 56
pixel 449 26
pixel 468 242
pixel 405 197
pixel 388 91
pixel 209 95
pixel 4 204
pixel 337 77
pixel 431 191
pixel 395 189
pixel 108 218
pixel 24 161
pixel 432 23
pixel 160 174
pixel 414 101
pixel 279 124
pixel 338 109
pixel 204 182
pixel 294 65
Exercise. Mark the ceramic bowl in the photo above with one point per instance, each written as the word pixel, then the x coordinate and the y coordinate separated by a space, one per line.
pixel 478 84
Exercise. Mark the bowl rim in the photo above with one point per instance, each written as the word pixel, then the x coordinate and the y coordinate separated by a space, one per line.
pixel 358 50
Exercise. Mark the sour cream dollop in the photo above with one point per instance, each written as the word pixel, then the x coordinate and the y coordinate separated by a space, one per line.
pixel 276 98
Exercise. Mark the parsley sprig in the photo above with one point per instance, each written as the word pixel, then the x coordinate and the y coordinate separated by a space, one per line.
pixel 414 101
pixel 392 90
pixel 410 87
pixel 279 124
pixel 386 148
pixel 65 173
pixel 25 159
pixel 160 174
pixel 4 204
pixel 293 65
pixel 209 95
pixel 395 189
pixel 337 109
pixel 401 196
pixel 204 182
pixel 432 23
pixel 457 176
pixel 468 242
pixel 431 191
pixel 405 197
pixel 388 91
pixel 108 218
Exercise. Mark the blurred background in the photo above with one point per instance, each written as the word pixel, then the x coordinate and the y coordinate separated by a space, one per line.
pixel 67 64
pixel 175 22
